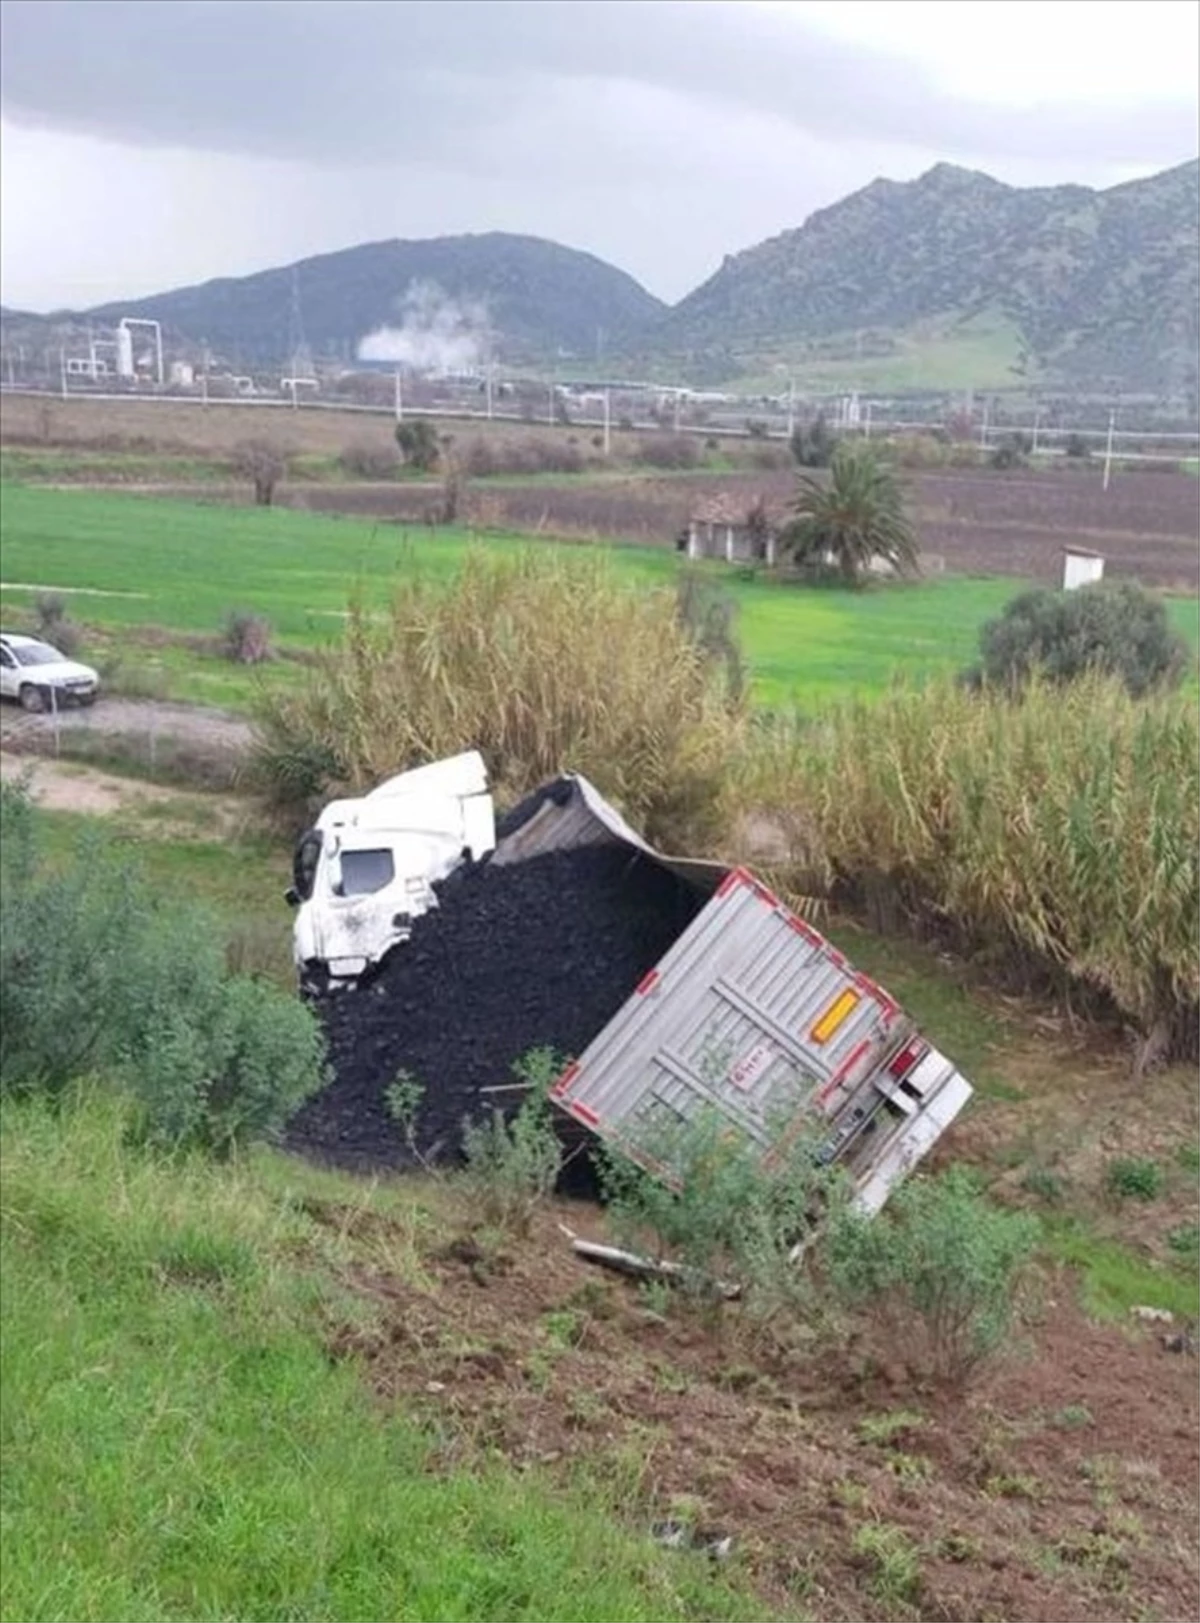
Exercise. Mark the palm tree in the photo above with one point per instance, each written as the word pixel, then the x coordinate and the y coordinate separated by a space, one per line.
pixel 856 516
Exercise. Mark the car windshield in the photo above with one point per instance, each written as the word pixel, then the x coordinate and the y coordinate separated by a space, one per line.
pixel 364 872
pixel 37 653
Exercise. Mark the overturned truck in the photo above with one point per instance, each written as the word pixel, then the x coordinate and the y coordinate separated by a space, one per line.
pixel 677 986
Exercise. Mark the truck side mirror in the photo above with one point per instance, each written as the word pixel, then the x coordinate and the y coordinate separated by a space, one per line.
pixel 292 896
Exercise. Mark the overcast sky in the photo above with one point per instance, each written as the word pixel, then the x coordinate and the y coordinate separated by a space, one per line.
pixel 145 144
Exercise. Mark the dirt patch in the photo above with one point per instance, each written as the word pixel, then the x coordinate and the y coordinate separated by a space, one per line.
pixel 1145 525
pixel 181 744
pixel 1064 1486
pixel 70 786
pixel 144 716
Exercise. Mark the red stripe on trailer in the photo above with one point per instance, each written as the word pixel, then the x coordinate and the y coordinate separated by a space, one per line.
pixel 884 999
pixel 565 1080
pixel 743 876
pixel 649 980
pixel 584 1112
pixel 735 876
pixel 843 1070
pixel 806 930
pixel 763 894
pixel 838 958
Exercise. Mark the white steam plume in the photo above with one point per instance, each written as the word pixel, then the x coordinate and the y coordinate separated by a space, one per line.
pixel 439 334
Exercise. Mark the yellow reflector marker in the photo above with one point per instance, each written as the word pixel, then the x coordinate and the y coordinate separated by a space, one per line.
pixel 835 1015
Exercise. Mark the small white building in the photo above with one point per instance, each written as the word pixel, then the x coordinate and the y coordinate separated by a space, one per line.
pixel 723 526
pixel 1081 567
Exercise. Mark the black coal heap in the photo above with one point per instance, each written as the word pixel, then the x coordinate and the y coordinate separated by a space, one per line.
pixel 540 953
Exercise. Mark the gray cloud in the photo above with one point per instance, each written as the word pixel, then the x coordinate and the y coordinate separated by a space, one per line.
pixel 373 81
pixel 181 139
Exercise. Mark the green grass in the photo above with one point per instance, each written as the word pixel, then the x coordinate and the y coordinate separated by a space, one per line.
pixel 977 353
pixel 177 1444
pixel 190 564
pixel 1114 1279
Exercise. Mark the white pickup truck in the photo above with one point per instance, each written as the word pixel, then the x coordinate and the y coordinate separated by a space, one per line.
pixel 368 866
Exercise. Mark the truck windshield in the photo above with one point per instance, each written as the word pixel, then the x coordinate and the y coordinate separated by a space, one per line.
pixel 364 872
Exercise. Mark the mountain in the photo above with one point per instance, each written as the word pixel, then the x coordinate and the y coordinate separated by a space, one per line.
pixel 535 297
pixel 949 282
pixel 1092 289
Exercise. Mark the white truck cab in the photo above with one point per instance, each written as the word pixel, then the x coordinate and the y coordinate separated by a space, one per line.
pixel 368 866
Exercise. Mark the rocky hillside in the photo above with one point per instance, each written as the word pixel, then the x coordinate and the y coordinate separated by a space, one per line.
pixel 1095 289
pixel 525 297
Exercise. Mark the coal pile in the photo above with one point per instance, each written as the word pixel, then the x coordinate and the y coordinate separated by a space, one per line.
pixel 535 954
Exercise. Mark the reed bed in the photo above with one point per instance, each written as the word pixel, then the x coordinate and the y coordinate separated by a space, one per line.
pixel 545 662
pixel 1060 831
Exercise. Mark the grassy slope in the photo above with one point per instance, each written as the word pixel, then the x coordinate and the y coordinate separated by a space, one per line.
pixel 190 565
pixel 178 1446
pixel 979 353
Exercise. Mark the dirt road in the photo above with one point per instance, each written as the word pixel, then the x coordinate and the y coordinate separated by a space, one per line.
pixel 191 724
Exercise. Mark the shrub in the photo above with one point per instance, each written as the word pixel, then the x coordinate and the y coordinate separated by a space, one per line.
pixel 893 1560
pixel 99 973
pixel 246 637
pixel 1006 456
pixel 264 464
pixel 482 459
pixel 720 1212
pixel 1114 627
pixel 365 459
pixel 939 1260
pixel 544 661
pixel 217 1060
pixel 513 1164
pixel 1077 448
pixel 769 458
pixel 54 625
pixel 812 444
pixel 709 615
pixel 418 443
pixel 668 451
pixel 1131 1179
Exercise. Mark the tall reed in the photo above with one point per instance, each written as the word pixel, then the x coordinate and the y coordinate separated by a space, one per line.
pixel 545 661
pixel 1062 829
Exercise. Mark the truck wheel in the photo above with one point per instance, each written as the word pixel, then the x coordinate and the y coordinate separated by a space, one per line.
pixel 314 980
pixel 33 698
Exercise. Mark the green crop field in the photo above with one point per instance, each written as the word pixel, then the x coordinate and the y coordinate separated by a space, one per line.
pixel 184 567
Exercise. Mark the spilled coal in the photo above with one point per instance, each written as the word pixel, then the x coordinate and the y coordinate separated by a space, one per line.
pixel 540 953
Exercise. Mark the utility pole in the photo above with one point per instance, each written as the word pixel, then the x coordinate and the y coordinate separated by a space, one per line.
pixel 607 422
pixel 62 363
pixel 1037 420
pixel 1108 449
pixel 983 430
pixel 487 383
pixel 399 399
pixel 867 421
pixel 791 420
pixel 677 398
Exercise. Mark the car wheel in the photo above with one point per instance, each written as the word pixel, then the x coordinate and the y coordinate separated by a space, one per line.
pixel 32 698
